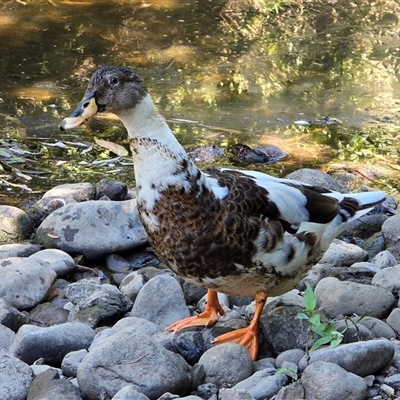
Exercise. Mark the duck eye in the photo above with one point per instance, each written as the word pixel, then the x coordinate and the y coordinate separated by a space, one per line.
pixel 114 80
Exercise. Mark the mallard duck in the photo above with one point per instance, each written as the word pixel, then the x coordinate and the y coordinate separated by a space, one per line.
pixel 239 232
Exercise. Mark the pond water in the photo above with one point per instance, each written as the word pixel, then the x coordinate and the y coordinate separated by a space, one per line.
pixel 319 79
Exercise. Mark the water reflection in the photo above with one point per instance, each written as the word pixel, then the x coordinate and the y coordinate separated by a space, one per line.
pixel 246 69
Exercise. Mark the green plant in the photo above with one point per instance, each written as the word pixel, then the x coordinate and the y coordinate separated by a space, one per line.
pixel 325 330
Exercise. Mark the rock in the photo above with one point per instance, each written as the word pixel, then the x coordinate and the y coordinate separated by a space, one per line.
pixel 46 314
pixel 15 377
pixel 71 361
pixel 130 392
pixel 132 284
pixel 391 230
pixel 16 272
pixel 6 337
pixel 45 206
pixel 51 344
pixel 294 391
pixel 114 190
pixel 328 381
pixel 379 328
pixel 220 364
pixel 342 254
pixel 18 250
pixel 352 332
pixel 374 244
pixel 347 298
pixel 15 225
pixel 207 390
pixel 384 259
pixel 49 386
pixel 161 301
pixel 388 278
pixel 283 330
pixel 393 320
pixel 293 355
pixel 262 385
pixel 75 191
pixel 393 381
pixel 11 317
pixel 61 262
pixel 233 394
pixel 192 343
pixel 316 178
pixel 131 357
pixel 360 358
pixel 114 227
pixel 193 293
pixel 117 263
pixel 95 303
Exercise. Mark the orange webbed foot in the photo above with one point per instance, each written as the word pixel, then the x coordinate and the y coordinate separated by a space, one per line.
pixel 208 317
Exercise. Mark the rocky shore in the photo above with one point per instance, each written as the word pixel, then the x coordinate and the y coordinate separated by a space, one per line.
pixel 84 305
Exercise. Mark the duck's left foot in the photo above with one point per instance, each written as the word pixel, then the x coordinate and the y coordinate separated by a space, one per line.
pixel 247 337
pixel 208 317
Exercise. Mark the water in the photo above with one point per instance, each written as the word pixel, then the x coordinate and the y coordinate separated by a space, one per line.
pixel 247 70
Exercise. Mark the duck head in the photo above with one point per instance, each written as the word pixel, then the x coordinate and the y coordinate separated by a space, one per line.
pixel 111 89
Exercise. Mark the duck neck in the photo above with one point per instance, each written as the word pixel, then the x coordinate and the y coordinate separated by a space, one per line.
pixel 160 161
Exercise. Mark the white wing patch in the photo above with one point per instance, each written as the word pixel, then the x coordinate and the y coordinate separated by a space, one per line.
pixel 221 192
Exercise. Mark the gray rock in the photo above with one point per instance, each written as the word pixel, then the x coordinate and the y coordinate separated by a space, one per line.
pixel 15 377
pixel 75 191
pixel 220 364
pixel 360 358
pixel 6 337
pixel 51 344
pixel 352 332
pixel 49 386
pixel 207 390
pixel 384 259
pixel 132 284
pixel 45 206
pixel 342 254
pixel 374 244
pixel 131 357
pixel 18 250
pixel 16 272
pixel 114 190
pixel 283 330
pixel 95 303
pixel 293 355
pixel 393 381
pixel 37 368
pixel 328 381
pixel 11 317
pixel 71 361
pixel 393 320
pixel 233 394
pixel 316 178
pixel 46 314
pixel 379 328
pixel 15 225
pixel 161 301
pixel 295 391
pixel 262 385
pixel 347 298
pixel 391 230
pixel 61 262
pixel 130 392
pixel 388 278
pixel 266 363
pixel 117 263
pixel 94 229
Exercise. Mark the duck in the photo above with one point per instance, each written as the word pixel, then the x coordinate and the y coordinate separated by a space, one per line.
pixel 238 232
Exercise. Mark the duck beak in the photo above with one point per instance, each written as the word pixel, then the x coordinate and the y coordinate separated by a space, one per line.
pixel 85 110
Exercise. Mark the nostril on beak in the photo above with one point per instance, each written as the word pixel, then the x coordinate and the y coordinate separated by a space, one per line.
pixel 85 104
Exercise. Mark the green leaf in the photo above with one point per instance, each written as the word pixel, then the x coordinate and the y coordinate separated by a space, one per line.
pixel 310 300
pixel 315 319
pixel 337 339
pixel 302 315
pixel 320 342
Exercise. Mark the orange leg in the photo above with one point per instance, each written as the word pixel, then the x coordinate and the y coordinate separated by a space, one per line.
pixel 208 317
pixel 247 337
